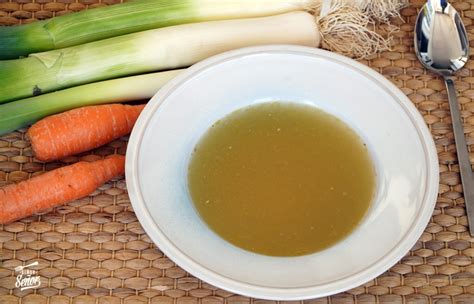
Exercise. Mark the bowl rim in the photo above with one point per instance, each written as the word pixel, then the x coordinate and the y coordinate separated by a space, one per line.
pixel 298 293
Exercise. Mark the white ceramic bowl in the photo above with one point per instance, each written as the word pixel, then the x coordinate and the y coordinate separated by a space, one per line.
pixel 179 114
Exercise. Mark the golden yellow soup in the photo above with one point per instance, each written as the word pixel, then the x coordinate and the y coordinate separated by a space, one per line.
pixel 281 179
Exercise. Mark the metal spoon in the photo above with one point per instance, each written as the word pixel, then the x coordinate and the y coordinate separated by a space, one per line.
pixel 442 45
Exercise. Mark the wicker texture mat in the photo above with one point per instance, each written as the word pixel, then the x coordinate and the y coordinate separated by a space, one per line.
pixel 95 251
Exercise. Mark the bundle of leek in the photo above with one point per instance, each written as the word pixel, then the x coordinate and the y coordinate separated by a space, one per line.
pixel 339 27
pixel 140 15
pixel 183 45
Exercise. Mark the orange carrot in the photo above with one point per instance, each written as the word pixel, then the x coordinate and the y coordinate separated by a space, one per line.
pixel 81 129
pixel 57 187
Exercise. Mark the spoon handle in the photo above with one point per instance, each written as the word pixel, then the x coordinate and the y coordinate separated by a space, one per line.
pixel 467 177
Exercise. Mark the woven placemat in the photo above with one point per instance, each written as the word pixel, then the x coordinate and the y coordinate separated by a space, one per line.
pixel 94 250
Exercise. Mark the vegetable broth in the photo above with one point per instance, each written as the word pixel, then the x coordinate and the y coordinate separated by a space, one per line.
pixel 281 179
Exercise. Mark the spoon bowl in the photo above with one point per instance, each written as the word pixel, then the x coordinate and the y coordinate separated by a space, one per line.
pixel 441 41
